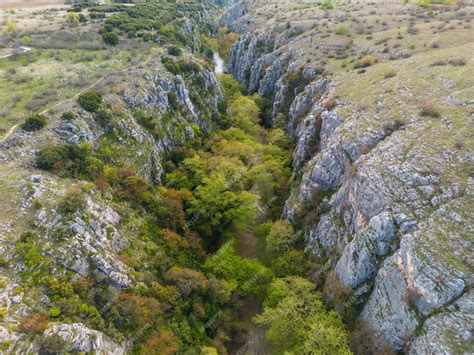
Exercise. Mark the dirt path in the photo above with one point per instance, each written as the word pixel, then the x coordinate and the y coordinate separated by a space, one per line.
pixel 257 344
pixel 22 50
pixel 12 129
pixel 9 133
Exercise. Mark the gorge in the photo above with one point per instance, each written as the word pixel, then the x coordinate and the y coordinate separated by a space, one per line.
pixel 243 177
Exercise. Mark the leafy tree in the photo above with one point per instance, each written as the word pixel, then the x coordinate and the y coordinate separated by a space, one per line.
pixel 162 342
pixel 217 208
pixel 244 114
pixel 187 280
pixel 244 276
pixel 298 322
pixel 110 38
pixel 232 89
pixel 225 40
pixel 280 237
pixel 132 312
pixel 90 100
pixel 34 123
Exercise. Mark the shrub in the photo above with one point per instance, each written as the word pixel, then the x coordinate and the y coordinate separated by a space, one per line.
pixel 53 344
pixel 429 110
pixel 72 19
pixel 90 100
pixel 327 5
pixel 365 61
pixel 174 51
pixel 35 323
pixel 412 295
pixel 457 62
pixel 390 73
pixel 72 201
pixel 342 31
pixel 68 116
pixel 110 38
pixel 34 123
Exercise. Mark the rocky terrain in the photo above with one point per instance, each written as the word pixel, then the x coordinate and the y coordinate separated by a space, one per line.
pixel 90 241
pixel 99 249
pixel 379 99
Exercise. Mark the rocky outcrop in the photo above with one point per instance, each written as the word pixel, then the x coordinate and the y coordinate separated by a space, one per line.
pixel 386 219
pixel 79 338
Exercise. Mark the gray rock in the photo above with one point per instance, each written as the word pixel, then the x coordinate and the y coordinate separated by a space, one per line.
pixel 82 339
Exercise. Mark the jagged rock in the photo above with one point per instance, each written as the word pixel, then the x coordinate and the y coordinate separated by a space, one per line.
pixel 82 339
pixel 360 258
pixel 458 318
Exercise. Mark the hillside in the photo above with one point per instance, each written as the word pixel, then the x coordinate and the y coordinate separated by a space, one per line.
pixel 379 99
pixel 315 198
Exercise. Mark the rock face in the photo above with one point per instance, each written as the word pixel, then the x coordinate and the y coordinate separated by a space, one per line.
pixel 82 339
pixel 149 111
pixel 390 203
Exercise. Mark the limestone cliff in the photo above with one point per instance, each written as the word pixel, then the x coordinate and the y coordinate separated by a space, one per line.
pixel 382 188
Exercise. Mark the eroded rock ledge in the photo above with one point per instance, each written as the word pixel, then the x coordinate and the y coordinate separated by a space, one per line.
pixel 387 222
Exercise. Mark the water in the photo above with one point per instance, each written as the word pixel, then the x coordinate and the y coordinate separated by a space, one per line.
pixel 219 63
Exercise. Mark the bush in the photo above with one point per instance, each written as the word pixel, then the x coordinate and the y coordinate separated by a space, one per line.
pixel 71 202
pixel 53 344
pixel 71 157
pixel 35 323
pixel 174 51
pixel 365 61
pixel 34 123
pixel 342 31
pixel 390 73
pixel 110 38
pixel 327 5
pixel 68 116
pixel 90 100
pixel 428 110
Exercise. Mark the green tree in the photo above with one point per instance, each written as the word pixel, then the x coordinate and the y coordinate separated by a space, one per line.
pixel 244 276
pixel 244 114
pixel 216 208
pixel 298 321
pixel 110 38
pixel 90 100
pixel 232 89
pixel 34 123
pixel 280 238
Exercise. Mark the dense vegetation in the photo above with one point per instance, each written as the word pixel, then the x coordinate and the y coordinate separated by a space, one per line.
pixel 216 190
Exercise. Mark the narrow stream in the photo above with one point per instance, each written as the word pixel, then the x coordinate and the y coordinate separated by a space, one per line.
pixel 219 63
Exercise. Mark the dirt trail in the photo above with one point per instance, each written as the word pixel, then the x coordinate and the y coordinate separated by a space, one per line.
pixel 12 129
pixel 257 344
pixel 22 50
